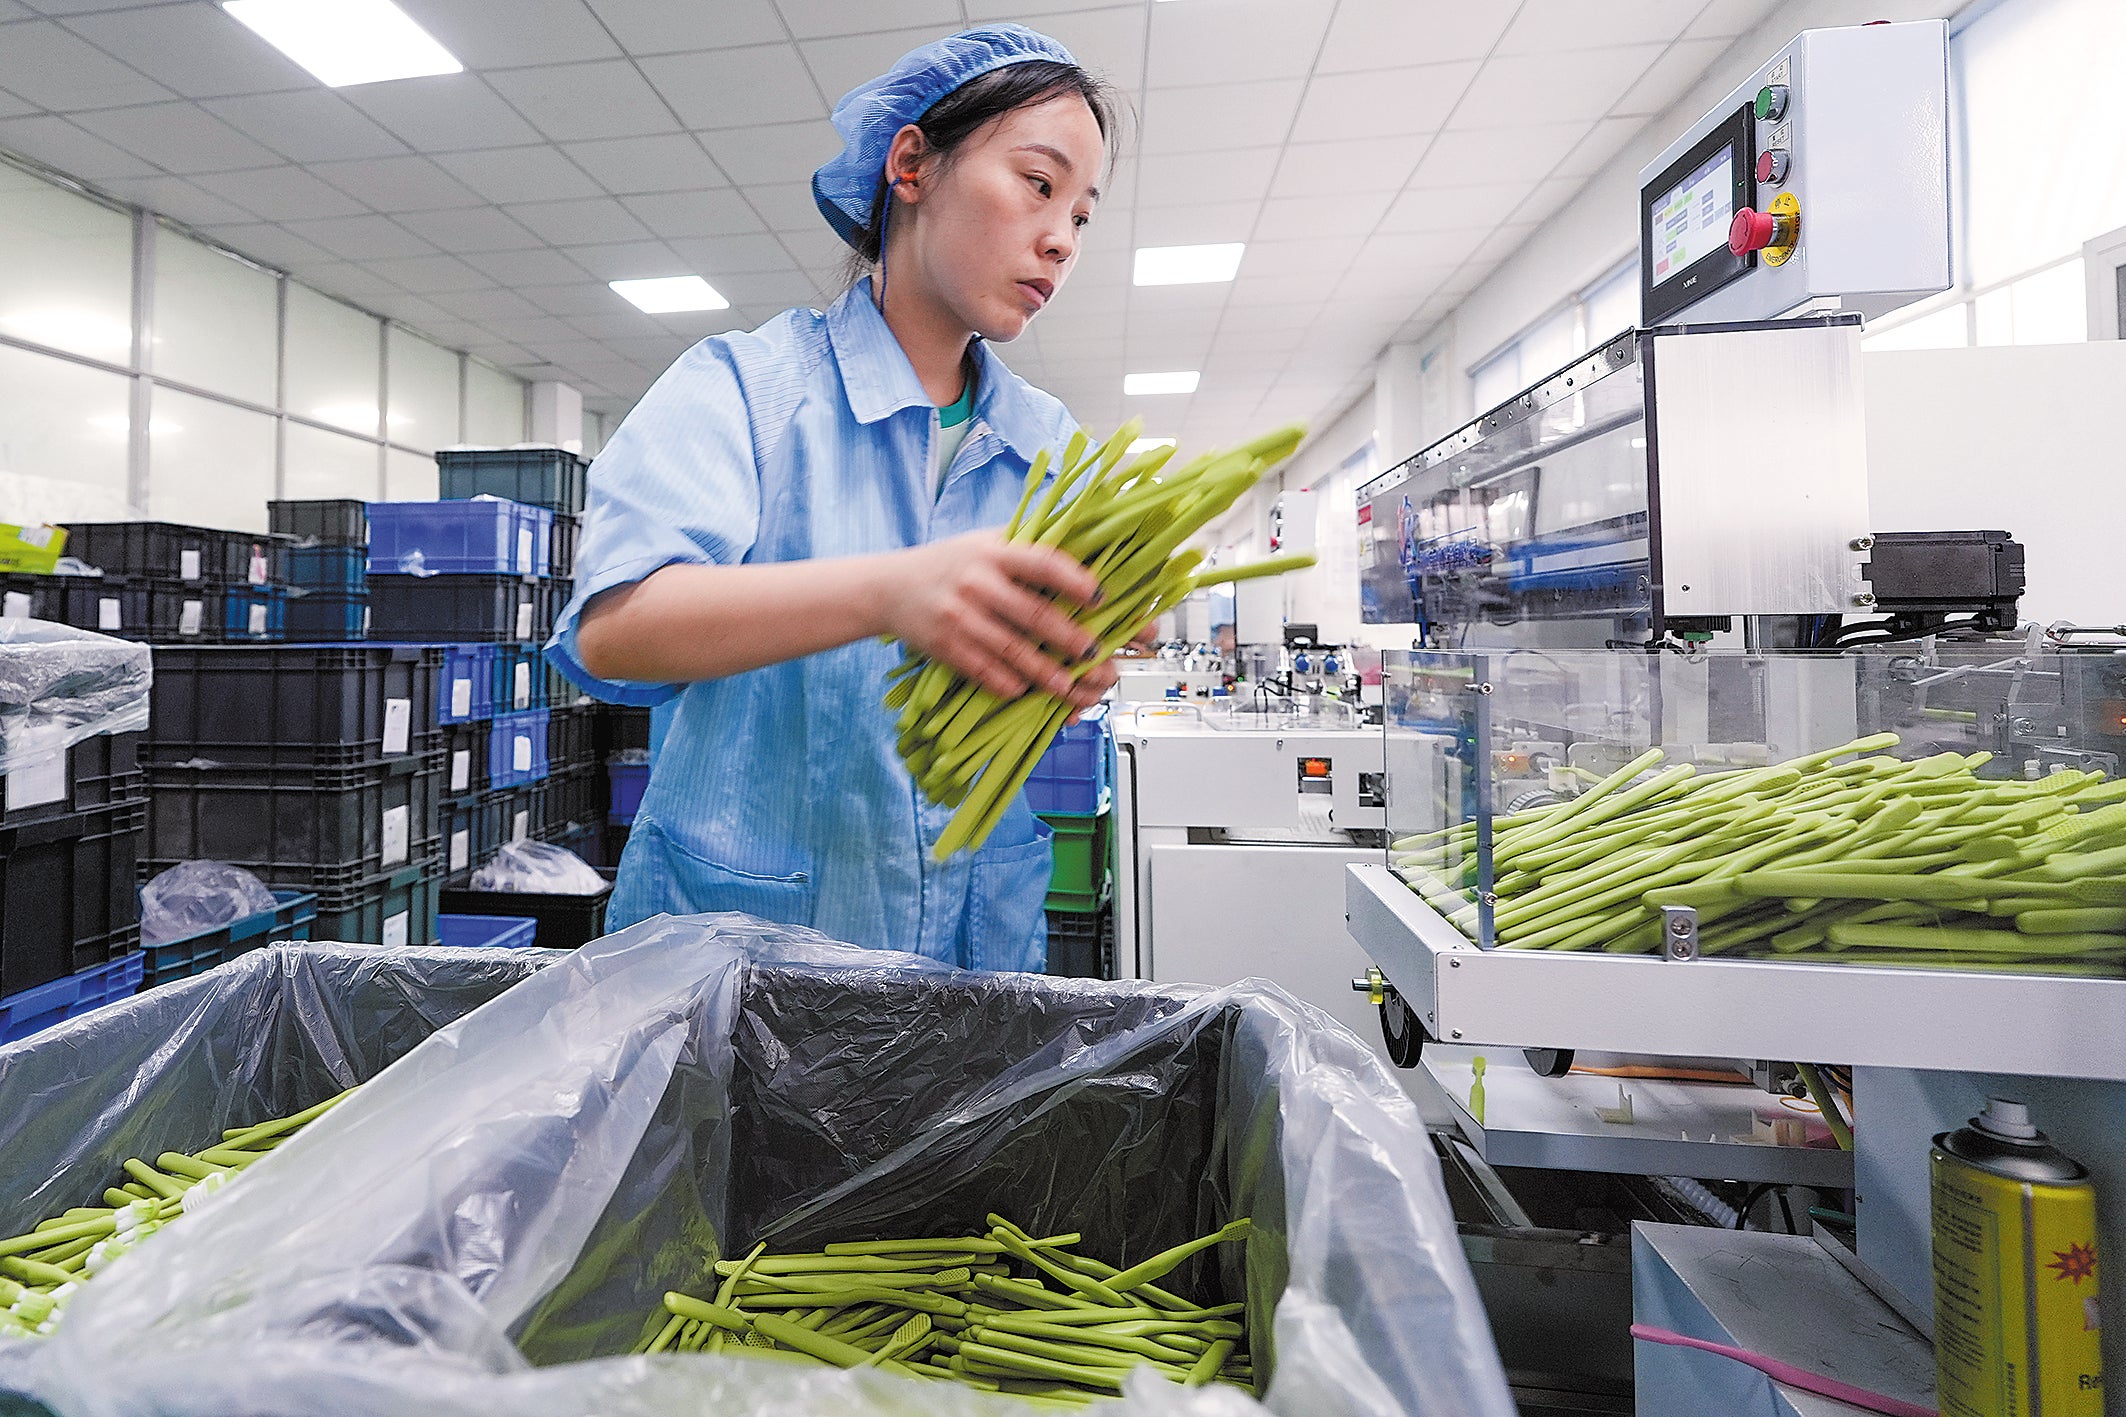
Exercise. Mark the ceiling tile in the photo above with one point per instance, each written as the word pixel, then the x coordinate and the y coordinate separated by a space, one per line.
pixel 1353 165
pixel 581 298
pixel 1367 33
pixel 517 269
pixel 1453 208
pixel 1547 198
pixel 714 256
pixel 60 71
pixel 311 125
pixel 426 275
pixel 14 10
pixel 628 260
pixel 482 305
pixel 615 319
pixel 468 229
pixel 841 63
pixel 1314 282
pixel 579 223
pixel 1381 102
pixel 179 137
pixel 195 50
pixel 347 280
pixel 667 162
pixel 1195 225
pixel 1235 175
pixel 12 107
pixel 1499 245
pixel 519 174
pixel 820 248
pixel 70 150
pixel 1564 26
pixel 281 194
pixel 1468 159
pixel 268 244
pixel 775 290
pixel 176 198
pixel 1728 18
pixel 775 152
pixel 536 31
pixel 1235 41
pixel 661 27
pixel 1515 91
pixel 1219 116
pixel 397 184
pixel 531 331
pixel 1680 66
pixel 362 238
pixel 1305 218
pixel 718 212
pixel 572 102
pixel 812 19
pixel 1603 141
pixel 784 206
pixel 443 113
pixel 730 88
pixel 1110 42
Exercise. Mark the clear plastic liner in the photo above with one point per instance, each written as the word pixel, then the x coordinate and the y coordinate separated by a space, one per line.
pixel 539 868
pixel 59 685
pixel 514 1196
pixel 195 896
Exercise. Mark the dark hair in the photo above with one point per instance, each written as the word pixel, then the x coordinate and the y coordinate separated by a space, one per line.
pixel 959 115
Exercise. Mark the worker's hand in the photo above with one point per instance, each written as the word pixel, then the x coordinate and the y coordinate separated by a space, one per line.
pixel 978 604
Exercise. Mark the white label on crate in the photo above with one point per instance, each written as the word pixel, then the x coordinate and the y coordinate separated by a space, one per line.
pixel 258 617
pixel 188 618
pixel 520 753
pixel 397 823
pixel 461 770
pixel 395 929
pixel 524 552
pixel 365 622
pixel 39 536
pixel 520 826
pixel 108 615
pixel 188 564
pixel 524 614
pixel 460 850
pixel 258 564
pixel 37 782
pixel 398 725
pixel 461 698
pixel 522 697
pixel 15 606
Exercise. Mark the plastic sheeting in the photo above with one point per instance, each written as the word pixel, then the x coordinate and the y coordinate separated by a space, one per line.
pixel 540 868
pixel 59 685
pixel 196 896
pixel 516 1193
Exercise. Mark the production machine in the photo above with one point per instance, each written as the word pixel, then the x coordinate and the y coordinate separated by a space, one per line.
pixel 1698 538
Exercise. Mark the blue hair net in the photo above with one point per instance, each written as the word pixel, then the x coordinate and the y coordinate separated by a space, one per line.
pixel 870 114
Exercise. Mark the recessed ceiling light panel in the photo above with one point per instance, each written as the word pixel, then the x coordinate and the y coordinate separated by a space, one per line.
pixel 1188 265
pixel 665 295
pixel 343 42
pixel 1180 381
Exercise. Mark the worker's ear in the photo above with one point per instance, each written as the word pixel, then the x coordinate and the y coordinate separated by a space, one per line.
pixel 906 161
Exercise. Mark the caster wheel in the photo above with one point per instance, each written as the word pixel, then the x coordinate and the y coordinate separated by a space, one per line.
pixel 1401 1031
pixel 1549 1062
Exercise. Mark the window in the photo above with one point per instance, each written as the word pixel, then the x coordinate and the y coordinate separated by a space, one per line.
pixel 332 361
pixel 64 436
pixel 66 270
pixel 424 391
pixel 217 321
pixel 321 464
pixel 494 406
pixel 212 462
pixel 1610 306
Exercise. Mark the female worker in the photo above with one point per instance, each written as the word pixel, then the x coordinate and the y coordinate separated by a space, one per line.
pixel 782 499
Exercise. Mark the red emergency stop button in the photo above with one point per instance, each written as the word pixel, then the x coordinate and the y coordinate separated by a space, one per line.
pixel 1753 230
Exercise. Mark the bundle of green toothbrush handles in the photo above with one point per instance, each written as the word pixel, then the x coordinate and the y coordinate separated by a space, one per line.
pixel 1007 1312
pixel 1850 856
pixel 1125 519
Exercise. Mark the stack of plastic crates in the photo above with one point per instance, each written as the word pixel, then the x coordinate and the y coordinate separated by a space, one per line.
pixel 70 835
pixel 318 768
pixel 171 584
pixel 328 568
pixel 1069 788
pixel 621 743
pixel 478 571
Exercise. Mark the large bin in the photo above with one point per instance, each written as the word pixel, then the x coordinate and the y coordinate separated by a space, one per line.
pixel 479 1226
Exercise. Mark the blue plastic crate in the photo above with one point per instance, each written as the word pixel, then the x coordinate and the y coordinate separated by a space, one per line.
pixel 494 932
pixel 326 616
pixel 255 613
pixel 520 678
pixel 630 781
pixel 466 692
pixel 516 749
pixel 34 1009
pixel 290 919
pixel 484 536
pixel 1073 775
pixel 328 567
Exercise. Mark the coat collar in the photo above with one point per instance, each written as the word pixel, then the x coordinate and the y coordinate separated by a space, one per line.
pixel 880 380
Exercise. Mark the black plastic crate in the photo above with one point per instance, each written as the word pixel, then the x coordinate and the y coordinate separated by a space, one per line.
pixel 111 605
pixel 473 831
pixel 465 758
pixel 553 478
pixel 1081 946
pixel 179 613
pixel 268 705
pixel 321 522
pixel 326 616
pixel 620 728
pixel 336 567
pixel 484 609
pixel 282 823
pixel 524 813
pixel 103 771
pixel 612 844
pixel 193 555
pixel 565 921
pixel 67 901
pixel 572 802
pixel 571 738
pixel 397 909
pixel 568 530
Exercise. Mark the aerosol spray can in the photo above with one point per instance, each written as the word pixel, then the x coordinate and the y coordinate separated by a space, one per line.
pixel 2015 1273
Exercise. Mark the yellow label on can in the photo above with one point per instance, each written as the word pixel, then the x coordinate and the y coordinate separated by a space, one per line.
pixel 2015 1295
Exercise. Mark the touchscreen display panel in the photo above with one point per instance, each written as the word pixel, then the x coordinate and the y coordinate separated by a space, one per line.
pixel 1692 219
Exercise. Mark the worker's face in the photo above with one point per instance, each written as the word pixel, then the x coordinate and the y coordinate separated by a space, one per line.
pixel 998 225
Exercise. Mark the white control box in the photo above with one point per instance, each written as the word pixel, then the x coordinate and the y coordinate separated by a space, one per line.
pixel 1822 180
